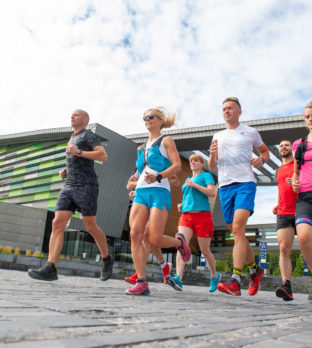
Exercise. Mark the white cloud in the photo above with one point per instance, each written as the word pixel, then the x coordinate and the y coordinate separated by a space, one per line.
pixel 117 58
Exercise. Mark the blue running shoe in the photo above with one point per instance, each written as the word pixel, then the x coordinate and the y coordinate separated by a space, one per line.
pixel 175 282
pixel 214 282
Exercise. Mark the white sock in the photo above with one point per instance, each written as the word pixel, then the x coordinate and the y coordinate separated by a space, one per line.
pixel 163 265
pixel 236 277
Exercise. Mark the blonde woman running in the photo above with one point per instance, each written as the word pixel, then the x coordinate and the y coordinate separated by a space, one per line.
pixel 158 159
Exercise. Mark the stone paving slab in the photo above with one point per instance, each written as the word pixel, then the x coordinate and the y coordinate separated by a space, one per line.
pixel 85 312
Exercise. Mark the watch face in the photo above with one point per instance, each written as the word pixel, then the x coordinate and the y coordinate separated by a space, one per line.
pixel 78 151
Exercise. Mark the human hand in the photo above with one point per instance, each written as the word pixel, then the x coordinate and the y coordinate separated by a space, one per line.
pixel 214 147
pixel 63 173
pixel 274 210
pixel 131 195
pixel 149 178
pixel 257 162
pixel 190 183
pixel 71 149
pixel 179 207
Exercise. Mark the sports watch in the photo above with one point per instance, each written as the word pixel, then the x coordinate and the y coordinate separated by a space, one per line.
pixel 159 177
pixel 78 152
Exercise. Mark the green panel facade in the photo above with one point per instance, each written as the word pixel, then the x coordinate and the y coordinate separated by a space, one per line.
pixel 28 170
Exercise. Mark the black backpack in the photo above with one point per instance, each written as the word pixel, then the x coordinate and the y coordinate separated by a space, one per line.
pixel 301 149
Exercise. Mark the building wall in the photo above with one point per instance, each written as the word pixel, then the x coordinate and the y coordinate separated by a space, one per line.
pixel 29 176
pixel 22 227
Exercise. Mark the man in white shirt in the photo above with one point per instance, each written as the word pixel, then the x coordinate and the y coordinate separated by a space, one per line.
pixel 231 152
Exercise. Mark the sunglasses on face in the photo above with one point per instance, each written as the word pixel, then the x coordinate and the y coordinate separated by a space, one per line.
pixel 148 117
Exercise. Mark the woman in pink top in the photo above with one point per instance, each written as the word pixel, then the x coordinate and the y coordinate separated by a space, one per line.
pixel 302 183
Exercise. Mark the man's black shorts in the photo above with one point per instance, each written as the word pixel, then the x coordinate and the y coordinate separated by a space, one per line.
pixel 82 198
pixel 284 221
pixel 304 205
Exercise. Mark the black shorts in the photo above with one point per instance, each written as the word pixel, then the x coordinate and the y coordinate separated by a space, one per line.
pixel 304 208
pixel 284 221
pixel 81 198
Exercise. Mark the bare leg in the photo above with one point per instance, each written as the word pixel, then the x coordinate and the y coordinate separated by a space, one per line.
pixel 242 251
pixel 188 233
pixel 158 219
pixel 304 234
pixel 96 233
pixel 285 237
pixel 204 244
pixel 138 219
pixel 57 236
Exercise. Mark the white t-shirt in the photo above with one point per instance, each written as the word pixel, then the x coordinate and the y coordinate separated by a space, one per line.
pixel 235 148
pixel 164 182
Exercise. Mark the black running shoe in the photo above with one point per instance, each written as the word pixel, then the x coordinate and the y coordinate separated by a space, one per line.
pixel 107 268
pixel 46 272
pixel 284 292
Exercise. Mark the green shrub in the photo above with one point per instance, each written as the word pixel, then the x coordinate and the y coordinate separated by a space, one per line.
pixel 228 262
pixel 298 270
pixel 220 265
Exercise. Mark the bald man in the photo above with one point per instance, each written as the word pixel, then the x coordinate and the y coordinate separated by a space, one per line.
pixel 80 192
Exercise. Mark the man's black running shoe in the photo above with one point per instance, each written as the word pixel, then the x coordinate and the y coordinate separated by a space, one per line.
pixel 284 292
pixel 107 268
pixel 46 272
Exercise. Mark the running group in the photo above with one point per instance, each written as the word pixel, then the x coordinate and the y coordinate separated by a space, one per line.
pixel 157 165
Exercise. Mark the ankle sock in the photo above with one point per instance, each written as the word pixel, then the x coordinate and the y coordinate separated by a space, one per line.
pixel 108 257
pixel 163 265
pixel 287 283
pixel 237 272
pixel 252 267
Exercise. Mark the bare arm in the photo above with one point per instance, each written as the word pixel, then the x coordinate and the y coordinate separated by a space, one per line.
pixel 209 190
pixel 295 178
pixel 97 154
pixel 174 158
pixel 264 153
pixel 132 182
pixel 213 158
pixel 174 181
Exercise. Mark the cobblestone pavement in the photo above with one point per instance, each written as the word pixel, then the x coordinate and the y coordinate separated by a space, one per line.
pixel 85 312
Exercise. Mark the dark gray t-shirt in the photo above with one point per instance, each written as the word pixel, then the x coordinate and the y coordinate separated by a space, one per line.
pixel 80 171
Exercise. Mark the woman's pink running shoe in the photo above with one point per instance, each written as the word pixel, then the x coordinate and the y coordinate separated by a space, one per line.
pixel 140 288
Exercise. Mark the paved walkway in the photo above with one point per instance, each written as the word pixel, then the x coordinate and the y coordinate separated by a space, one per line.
pixel 85 312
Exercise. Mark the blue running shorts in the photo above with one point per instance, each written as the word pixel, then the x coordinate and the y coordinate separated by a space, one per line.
pixel 157 197
pixel 237 196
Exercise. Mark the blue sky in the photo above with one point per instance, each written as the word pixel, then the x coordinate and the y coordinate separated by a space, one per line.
pixel 117 58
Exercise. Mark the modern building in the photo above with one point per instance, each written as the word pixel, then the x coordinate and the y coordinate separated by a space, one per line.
pixel 29 183
pixel 29 166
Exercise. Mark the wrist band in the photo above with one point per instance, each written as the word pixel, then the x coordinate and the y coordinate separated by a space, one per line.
pixel 263 160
